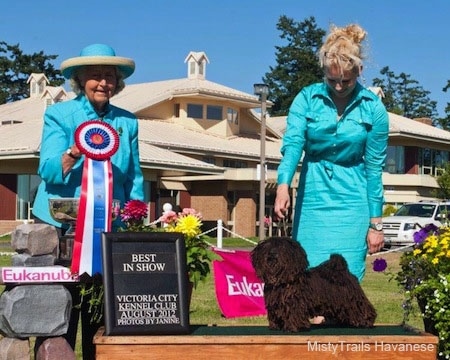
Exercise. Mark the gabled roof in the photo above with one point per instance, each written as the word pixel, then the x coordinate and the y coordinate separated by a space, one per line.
pixel 138 97
pixel 55 92
pixel 37 77
pixel 197 56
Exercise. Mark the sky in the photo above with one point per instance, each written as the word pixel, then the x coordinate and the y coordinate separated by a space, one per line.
pixel 239 37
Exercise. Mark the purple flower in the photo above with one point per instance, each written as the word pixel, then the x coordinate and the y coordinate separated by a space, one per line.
pixel 379 265
pixel 422 234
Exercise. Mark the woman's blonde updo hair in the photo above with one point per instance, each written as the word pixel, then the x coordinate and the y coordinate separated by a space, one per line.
pixel 343 48
pixel 75 82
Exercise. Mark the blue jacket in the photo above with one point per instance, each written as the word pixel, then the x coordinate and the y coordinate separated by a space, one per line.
pixel 60 122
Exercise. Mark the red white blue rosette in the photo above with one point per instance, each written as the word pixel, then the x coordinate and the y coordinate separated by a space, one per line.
pixel 97 139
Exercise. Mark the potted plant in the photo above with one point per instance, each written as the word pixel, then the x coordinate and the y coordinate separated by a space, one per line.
pixel 188 222
pixel 424 276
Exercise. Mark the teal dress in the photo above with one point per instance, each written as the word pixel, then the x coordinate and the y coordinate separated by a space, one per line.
pixel 340 185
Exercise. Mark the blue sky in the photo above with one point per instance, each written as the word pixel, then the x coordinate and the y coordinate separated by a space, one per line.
pixel 238 36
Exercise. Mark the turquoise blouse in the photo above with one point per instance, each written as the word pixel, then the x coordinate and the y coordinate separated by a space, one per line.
pixel 359 136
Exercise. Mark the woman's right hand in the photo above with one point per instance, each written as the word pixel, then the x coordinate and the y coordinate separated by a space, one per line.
pixel 282 201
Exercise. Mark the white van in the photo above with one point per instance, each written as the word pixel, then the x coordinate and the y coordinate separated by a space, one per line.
pixel 399 228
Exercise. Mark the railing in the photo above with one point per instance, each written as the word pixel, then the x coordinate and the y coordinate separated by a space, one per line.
pixel 274 229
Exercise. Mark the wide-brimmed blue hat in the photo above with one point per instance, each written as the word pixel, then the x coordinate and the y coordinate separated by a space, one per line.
pixel 97 54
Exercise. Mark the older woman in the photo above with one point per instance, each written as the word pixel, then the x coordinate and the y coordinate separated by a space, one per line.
pixel 342 128
pixel 96 76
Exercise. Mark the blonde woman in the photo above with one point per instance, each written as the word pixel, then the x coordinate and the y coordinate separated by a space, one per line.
pixel 342 128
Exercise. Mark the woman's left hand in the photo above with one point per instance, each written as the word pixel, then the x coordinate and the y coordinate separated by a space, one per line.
pixel 375 241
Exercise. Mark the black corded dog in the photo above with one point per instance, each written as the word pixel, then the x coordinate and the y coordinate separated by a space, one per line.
pixel 294 294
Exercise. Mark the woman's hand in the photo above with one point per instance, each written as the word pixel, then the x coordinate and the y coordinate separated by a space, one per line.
pixel 375 241
pixel 282 201
pixel 68 161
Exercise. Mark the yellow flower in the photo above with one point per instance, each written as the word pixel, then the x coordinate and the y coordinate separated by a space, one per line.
pixel 435 261
pixel 189 225
pixel 417 252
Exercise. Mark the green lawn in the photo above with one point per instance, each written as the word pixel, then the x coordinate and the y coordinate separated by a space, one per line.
pixel 383 293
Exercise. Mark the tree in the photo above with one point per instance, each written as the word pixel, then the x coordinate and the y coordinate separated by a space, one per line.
pixel 444 184
pixel 403 95
pixel 445 122
pixel 16 67
pixel 297 64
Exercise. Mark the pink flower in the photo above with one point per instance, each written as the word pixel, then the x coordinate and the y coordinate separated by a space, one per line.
pixel 190 211
pixel 169 217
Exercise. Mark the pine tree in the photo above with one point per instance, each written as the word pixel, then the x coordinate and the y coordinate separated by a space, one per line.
pixel 297 63
pixel 16 67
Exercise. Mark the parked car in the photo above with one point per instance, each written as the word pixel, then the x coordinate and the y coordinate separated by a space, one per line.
pixel 399 228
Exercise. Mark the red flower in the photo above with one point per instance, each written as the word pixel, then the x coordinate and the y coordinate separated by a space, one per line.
pixel 134 211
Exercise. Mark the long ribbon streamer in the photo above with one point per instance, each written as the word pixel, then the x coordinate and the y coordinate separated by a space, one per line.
pixel 94 216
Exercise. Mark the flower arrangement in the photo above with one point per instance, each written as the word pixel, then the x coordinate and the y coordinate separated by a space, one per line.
pixel 188 222
pixel 424 276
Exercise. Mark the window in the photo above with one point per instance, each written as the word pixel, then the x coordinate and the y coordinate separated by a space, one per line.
pixel 425 161
pixel 195 111
pixel 237 164
pixel 176 110
pixel 10 122
pixel 214 112
pixel 209 160
pixel 271 166
pixel 26 190
pixel 395 163
pixel 232 116
pixel 192 68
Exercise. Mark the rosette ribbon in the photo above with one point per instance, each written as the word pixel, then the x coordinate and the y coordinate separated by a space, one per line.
pixel 98 141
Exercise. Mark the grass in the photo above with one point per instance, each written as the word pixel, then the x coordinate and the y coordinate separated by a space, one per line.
pixel 384 294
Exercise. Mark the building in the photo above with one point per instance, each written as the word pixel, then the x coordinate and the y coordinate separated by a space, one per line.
pixel 200 147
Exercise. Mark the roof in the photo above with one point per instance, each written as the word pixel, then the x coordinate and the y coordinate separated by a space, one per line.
pixel 405 126
pixel 161 141
pixel 137 97
pixel 174 136
pixel 164 143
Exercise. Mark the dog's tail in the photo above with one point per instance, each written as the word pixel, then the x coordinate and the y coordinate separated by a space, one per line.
pixel 335 269
pixel 337 262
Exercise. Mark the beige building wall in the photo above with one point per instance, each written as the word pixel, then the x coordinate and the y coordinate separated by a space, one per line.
pixel 244 224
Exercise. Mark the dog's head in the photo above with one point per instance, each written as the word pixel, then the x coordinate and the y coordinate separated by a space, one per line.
pixel 279 260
